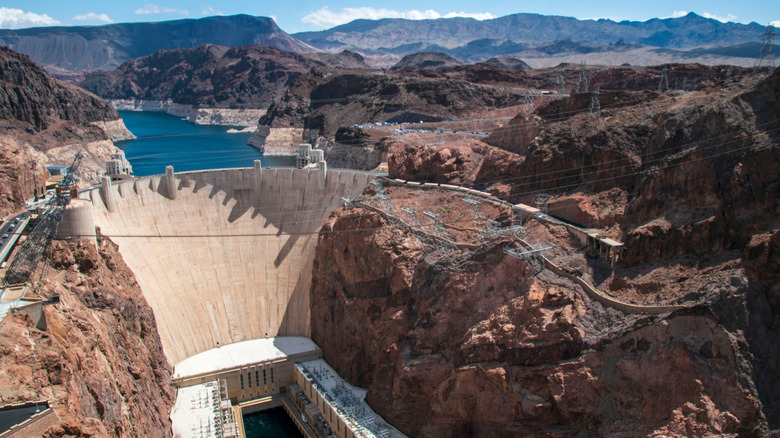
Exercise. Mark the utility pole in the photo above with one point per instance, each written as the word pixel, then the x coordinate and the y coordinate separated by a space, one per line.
pixel 767 51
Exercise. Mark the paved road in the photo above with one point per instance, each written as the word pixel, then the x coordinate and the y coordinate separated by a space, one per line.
pixel 9 233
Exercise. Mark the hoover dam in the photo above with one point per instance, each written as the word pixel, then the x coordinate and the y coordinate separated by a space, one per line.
pixel 223 256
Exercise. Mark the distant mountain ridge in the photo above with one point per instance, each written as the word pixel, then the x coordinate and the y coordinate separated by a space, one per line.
pixel 85 48
pixel 529 31
pixel 70 51
pixel 468 39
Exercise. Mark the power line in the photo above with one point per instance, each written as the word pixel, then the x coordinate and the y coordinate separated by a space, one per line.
pixel 418 225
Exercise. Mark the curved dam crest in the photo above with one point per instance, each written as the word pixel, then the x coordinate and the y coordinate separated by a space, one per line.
pixel 223 256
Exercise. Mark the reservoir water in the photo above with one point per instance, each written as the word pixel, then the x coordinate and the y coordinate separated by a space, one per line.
pixel 165 140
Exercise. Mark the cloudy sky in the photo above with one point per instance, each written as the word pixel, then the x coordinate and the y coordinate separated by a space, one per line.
pixel 318 14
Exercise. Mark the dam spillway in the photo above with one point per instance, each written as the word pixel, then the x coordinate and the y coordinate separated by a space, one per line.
pixel 223 256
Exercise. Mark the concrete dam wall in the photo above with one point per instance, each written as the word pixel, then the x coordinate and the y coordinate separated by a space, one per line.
pixel 223 256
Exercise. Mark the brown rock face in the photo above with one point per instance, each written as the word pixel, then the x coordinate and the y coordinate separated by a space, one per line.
pixel 17 180
pixel 41 115
pixel 99 361
pixel 208 76
pixel 30 98
pixel 485 344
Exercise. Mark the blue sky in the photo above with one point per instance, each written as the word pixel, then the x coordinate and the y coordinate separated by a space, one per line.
pixel 317 14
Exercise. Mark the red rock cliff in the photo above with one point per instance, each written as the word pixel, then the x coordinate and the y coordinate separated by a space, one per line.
pixel 100 361
pixel 485 344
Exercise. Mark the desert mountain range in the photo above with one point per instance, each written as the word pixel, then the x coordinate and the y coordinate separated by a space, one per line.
pixel 540 40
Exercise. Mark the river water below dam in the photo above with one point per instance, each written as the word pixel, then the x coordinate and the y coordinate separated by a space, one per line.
pixel 165 140
pixel 270 423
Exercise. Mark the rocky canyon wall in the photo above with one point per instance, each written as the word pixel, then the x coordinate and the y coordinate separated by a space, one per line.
pixel 480 343
pixel 99 361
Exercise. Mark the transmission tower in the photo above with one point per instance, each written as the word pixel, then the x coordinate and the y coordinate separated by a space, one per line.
pixel 560 83
pixel 529 101
pixel 663 84
pixel 595 106
pixel 541 200
pixel 582 80
pixel 767 51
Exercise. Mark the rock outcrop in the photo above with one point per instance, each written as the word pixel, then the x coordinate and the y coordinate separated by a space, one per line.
pixel 99 360
pixel 209 76
pixel 427 61
pixel 46 122
pixel 480 343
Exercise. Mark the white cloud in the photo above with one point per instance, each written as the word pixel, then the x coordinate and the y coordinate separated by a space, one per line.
pixel 149 9
pixel 722 19
pixel 17 18
pixel 325 18
pixel 91 16
pixel 678 14
pixel 775 23
pixel 208 10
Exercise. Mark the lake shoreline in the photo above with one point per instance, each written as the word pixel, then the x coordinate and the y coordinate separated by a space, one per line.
pixel 164 139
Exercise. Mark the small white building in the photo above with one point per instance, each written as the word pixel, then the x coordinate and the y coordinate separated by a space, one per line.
pixel 118 165
pixel 310 157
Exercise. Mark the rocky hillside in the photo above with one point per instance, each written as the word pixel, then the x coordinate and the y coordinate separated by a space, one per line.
pixel 508 63
pixel 208 76
pixel 99 361
pixel 88 48
pixel 32 100
pixel 45 122
pixel 687 180
pixel 471 341
pixel 349 99
pixel 426 60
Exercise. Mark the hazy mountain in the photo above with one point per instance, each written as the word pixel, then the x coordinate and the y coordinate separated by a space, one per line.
pixel 469 39
pixel 83 48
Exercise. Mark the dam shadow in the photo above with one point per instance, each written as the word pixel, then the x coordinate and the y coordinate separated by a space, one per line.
pixel 227 257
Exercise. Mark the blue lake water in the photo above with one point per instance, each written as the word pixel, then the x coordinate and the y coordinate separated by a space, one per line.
pixel 272 423
pixel 165 140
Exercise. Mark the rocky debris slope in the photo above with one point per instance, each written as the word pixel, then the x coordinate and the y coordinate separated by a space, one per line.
pixel 44 121
pixel 475 342
pixel 99 361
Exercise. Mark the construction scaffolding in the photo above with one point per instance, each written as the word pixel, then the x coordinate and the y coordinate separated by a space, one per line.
pixel 29 254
